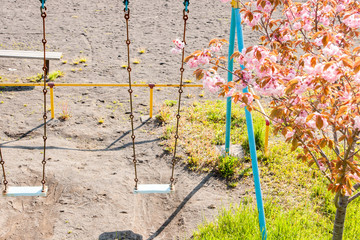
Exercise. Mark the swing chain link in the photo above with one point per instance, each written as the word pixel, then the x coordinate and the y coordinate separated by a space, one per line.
pixel 185 17
pixel 128 42
pixel 45 69
pixel 3 169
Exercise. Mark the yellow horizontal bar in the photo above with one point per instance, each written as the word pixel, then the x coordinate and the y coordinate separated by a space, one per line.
pixel 94 85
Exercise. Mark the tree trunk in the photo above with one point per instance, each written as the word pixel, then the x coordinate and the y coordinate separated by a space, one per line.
pixel 340 218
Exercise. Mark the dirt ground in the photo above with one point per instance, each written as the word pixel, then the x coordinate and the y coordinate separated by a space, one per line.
pixel 89 171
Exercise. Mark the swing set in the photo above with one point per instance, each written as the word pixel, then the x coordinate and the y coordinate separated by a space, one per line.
pixel 15 191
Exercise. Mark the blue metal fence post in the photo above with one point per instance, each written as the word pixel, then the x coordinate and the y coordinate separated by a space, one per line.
pixel 230 78
pixel 250 129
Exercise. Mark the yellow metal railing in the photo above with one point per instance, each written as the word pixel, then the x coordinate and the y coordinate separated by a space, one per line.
pixel 150 86
pixel 53 85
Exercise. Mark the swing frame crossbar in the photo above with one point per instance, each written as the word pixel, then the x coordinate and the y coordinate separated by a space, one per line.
pixel 154 188
pixel 35 191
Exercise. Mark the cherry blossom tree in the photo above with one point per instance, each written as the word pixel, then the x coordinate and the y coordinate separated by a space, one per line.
pixel 308 63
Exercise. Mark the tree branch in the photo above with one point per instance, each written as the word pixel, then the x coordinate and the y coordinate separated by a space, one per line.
pixel 354 197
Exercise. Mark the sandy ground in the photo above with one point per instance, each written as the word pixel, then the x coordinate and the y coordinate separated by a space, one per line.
pixel 89 171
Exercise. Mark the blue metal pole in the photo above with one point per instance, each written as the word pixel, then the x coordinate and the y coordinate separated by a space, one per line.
pixel 252 144
pixel 230 78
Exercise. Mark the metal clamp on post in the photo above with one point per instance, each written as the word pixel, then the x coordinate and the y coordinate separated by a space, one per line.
pixel 126 3
pixel 235 3
pixel 43 3
pixel 186 4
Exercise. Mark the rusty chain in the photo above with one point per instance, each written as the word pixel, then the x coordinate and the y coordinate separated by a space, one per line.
pixel 185 17
pixel 45 69
pixel 128 42
pixel 3 169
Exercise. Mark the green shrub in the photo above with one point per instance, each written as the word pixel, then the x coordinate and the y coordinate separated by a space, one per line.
pixel 228 166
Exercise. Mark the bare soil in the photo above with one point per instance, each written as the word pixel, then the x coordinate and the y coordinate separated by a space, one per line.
pixel 90 169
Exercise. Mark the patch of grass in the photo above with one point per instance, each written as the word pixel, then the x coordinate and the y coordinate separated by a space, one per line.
pixel 82 60
pixel 101 121
pixel 142 51
pixel 136 61
pixel 36 78
pixel 202 127
pixel 165 114
pixel 54 75
pixel 228 166
pixel 241 222
pixel 170 103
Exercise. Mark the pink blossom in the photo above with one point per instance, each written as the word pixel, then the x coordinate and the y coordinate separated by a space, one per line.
pixel 311 124
pixel 347 96
pixel 353 21
pixel 318 42
pixel 355 177
pixel 290 134
pixel 357 122
pixel 210 82
pixel 322 168
pixel 307 27
pixel 331 50
pixel 331 74
pixel 297 25
pixel 216 48
pixel 340 7
pixel 203 59
pixel 175 51
pixel 192 63
pixel 179 45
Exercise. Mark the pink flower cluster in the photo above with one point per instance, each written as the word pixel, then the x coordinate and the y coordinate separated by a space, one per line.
pixel 357 122
pixel 353 21
pixel 212 82
pixel 179 45
pixel 200 59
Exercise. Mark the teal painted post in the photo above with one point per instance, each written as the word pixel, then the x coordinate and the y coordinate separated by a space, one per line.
pixel 250 128
pixel 230 78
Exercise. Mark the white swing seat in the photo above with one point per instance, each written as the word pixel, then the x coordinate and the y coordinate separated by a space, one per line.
pixel 25 192
pixel 153 188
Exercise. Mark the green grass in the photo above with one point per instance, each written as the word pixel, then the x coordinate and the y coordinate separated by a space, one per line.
pixel 202 128
pixel 241 222
pixel 298 204
pixel 52 76
pixel 302 222
pixel 228 166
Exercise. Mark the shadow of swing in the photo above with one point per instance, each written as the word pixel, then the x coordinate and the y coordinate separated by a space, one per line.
pixel 129 235
pixel 108 148
pixel 17 89
pixel 120 235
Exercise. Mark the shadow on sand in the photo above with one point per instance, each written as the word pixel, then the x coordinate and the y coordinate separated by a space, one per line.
pixel 121 235
pixel 16 89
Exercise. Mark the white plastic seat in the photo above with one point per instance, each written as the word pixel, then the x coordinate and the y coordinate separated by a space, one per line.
pixel 153 188
pixel 25 192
